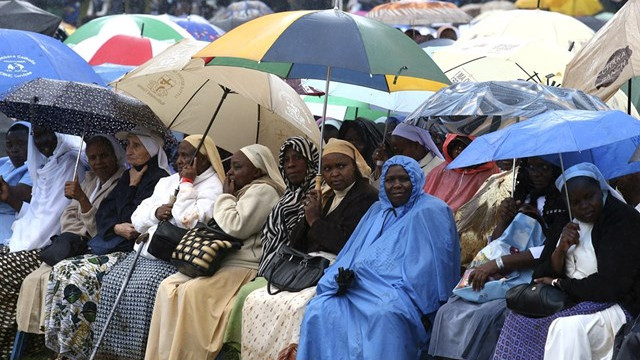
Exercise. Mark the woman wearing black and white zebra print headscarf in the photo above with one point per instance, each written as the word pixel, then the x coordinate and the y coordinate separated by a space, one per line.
pixel 298 162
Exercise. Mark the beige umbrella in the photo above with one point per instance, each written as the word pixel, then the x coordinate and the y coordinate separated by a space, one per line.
pixel 254 107
pixel 552 27
pixel 509 58
pixel 611 58
pixel 476 9
pixel 418 12
pixel 502 58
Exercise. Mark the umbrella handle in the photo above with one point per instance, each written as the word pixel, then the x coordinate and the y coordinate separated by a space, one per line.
pixel 324 119
pixel 318 183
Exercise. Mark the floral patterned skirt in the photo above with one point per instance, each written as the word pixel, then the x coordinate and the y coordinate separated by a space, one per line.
pixel 71 303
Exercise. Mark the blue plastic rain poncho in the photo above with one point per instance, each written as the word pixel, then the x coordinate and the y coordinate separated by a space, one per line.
pixel 406 261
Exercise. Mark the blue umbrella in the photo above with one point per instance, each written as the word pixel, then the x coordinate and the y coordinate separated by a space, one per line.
pixel 110 72
pixel 612 160
pixel 25 56
pixel 559 132
pixel 198 27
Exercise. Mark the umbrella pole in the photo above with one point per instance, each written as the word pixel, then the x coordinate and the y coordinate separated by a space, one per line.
pixel 115 303
pixel 324 119
pixel 225 92
pixel 513 182
pixel 629 97
pixel 386 126
pixel 566 192
pixel 75 169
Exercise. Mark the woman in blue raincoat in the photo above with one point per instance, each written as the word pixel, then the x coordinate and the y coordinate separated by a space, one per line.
pixel 396 270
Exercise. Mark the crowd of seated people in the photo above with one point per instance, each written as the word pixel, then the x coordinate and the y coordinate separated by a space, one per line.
pixel 404 238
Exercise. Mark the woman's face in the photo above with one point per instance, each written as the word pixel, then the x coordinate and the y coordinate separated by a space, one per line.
pixel 44 139
pixel 540 173
pixel 137 154
pixel 242 171
pixel 185 153
pixel 352 136
pixel 585 199
pixel 295 166
pixel 338 170
pixel 397 185
pixel 102 159
pixel 16 145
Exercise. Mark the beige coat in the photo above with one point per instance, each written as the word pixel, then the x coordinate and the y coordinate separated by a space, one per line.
pixel 73 220
pixel 244 218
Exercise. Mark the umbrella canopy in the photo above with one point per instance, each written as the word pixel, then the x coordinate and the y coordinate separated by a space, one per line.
pixel 399 101
pixel 197 26
pixel 476 9
pixel 22 15
pixel 75 108
pixel 553 132
pixel 127 24
pixel 562 30
pixel 263 108
pixel 611 159
pixel 342 108
pixel 611 57
pixel 110 72
pixel 119 49
pixel 239 12
pixel 503 58
pixel 478 108
pixel 302 44
pixel 567 7
pixel 26 56
pixel 418 12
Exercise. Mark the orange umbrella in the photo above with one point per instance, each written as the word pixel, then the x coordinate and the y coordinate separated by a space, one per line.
pixel 568 7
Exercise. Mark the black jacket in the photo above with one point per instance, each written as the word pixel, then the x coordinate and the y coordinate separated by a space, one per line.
pixel 118 207
pixel 331 232
pixel 616 241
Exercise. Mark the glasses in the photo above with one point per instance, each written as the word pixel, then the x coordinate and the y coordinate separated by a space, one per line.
pixel 538 168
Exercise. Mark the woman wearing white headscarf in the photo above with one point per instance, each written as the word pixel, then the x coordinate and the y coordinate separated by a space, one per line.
pixel 595 262
pixel 78 221
pixel 73 289
pixel 252 187
pixel 51 159
pixel 199 186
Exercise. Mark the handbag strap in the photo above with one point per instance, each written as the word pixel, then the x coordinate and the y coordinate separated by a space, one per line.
pixel 269 282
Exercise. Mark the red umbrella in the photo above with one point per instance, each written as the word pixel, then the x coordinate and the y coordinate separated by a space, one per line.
pixel 120 49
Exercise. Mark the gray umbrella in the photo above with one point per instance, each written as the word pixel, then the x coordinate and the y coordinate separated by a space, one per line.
pixel 477 108
pixel 22 15
pixel 78 108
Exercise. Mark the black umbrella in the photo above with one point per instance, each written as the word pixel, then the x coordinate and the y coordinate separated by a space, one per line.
pixel 80 109
pixel 22 15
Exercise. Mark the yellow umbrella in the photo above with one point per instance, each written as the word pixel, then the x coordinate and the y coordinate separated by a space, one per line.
pixel 555 28
pixel 568 7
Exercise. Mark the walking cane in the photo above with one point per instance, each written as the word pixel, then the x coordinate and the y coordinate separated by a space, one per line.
pixel 115 304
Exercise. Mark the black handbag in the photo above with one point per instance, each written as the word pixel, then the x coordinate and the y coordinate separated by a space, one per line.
pixel 165 239
pixel 64 246
pixel 202 249
pixel 536 300
pixel 292 270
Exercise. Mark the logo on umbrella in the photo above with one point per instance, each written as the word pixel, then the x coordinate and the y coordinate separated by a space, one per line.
pixel 612 70
pixel 15 66
pixel 159 88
